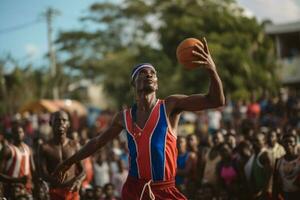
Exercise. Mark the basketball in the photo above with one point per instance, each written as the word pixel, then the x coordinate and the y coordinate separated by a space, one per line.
pixel 184 52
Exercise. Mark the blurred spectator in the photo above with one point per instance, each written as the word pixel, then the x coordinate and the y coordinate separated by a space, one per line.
pixel 89 194
pixel 109 192
pixel 98 193
pixel 227 114
pixel 181 163
pixel 275 149
pixel 17 163
pixel 227 173
pixel 211 160
pixel 119 178
pixel 101 169
pixel 253 110
pixel 259 169
pixel 286 175
pixel 214 120
pixel 75 121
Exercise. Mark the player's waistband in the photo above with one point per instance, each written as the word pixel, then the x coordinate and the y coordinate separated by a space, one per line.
pixel 154 184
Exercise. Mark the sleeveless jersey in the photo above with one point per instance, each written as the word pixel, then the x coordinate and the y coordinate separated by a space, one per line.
pixel 19 163
pixel 152 150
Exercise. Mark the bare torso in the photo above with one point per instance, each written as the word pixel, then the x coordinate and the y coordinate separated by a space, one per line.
pixel 53 154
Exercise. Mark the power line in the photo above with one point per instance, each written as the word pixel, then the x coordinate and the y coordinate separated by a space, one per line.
pixel 19 27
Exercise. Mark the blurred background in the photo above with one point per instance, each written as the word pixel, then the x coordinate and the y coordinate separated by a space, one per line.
pixel 77 56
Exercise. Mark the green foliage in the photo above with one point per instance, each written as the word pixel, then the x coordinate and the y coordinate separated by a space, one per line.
pixel 136 31
pixel 20 84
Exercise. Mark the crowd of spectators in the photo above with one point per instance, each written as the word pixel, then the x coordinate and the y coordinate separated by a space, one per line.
pixel 234 152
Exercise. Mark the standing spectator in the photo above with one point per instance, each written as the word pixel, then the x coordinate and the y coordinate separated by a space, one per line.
pixel 75 121
pixel 98 193
pixel 101 170
pixel 119 178
pixel 253 110
pixel 214 120
pixel 211 160
pixel 275 149
pixel 181 163
pixel 260 169
pixel 87 163
pixel 230 139
pixel 109 192
pixel 16 162
pixel 286 182
pixel 227 114
pixel 52 153
pixel 244 152
pixel 227 173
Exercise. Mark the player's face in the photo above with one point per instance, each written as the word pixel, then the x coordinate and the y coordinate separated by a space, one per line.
pixel 146 80
pixel 60 123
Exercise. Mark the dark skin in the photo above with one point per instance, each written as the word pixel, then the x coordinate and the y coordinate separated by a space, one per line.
pixel 218 139
pixel 18 137
pixel 191 161
pixel 259 142
pixel 145 87
pixel 56 151
pixel 289 143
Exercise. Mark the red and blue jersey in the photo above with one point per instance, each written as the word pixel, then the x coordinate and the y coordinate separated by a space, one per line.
pixel 152 149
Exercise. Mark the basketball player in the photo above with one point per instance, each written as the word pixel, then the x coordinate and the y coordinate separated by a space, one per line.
pixel 151 126
pixel 16 164
pixel 54 153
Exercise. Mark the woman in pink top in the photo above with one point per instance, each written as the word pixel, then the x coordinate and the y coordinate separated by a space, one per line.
pixel 227 173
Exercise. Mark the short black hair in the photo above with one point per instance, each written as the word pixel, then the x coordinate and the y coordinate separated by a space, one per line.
pixel 287 135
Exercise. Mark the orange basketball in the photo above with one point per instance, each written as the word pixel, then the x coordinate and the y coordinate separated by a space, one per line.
pixel 184 52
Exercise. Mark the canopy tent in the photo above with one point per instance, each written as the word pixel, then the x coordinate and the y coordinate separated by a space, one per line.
pixel 45 105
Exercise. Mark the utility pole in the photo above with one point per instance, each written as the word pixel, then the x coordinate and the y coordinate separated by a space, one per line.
pixel 49 14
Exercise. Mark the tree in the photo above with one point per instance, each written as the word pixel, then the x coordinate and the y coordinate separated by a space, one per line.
pixel 20 84
pixel 135 31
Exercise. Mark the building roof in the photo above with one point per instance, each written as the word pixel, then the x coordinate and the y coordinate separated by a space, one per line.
pixel 283 28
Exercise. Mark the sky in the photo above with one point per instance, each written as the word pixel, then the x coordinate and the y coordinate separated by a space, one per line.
pixel 23 31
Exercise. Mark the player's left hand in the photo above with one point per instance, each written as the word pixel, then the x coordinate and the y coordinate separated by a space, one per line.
pixel 203 56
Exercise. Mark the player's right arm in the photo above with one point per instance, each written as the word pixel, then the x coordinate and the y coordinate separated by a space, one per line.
pixel 91 147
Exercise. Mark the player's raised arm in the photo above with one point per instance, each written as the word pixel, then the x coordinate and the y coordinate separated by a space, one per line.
pixel 91 147
pixel 196 102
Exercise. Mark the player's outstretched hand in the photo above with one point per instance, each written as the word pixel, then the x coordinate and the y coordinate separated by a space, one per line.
pixel 203 57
